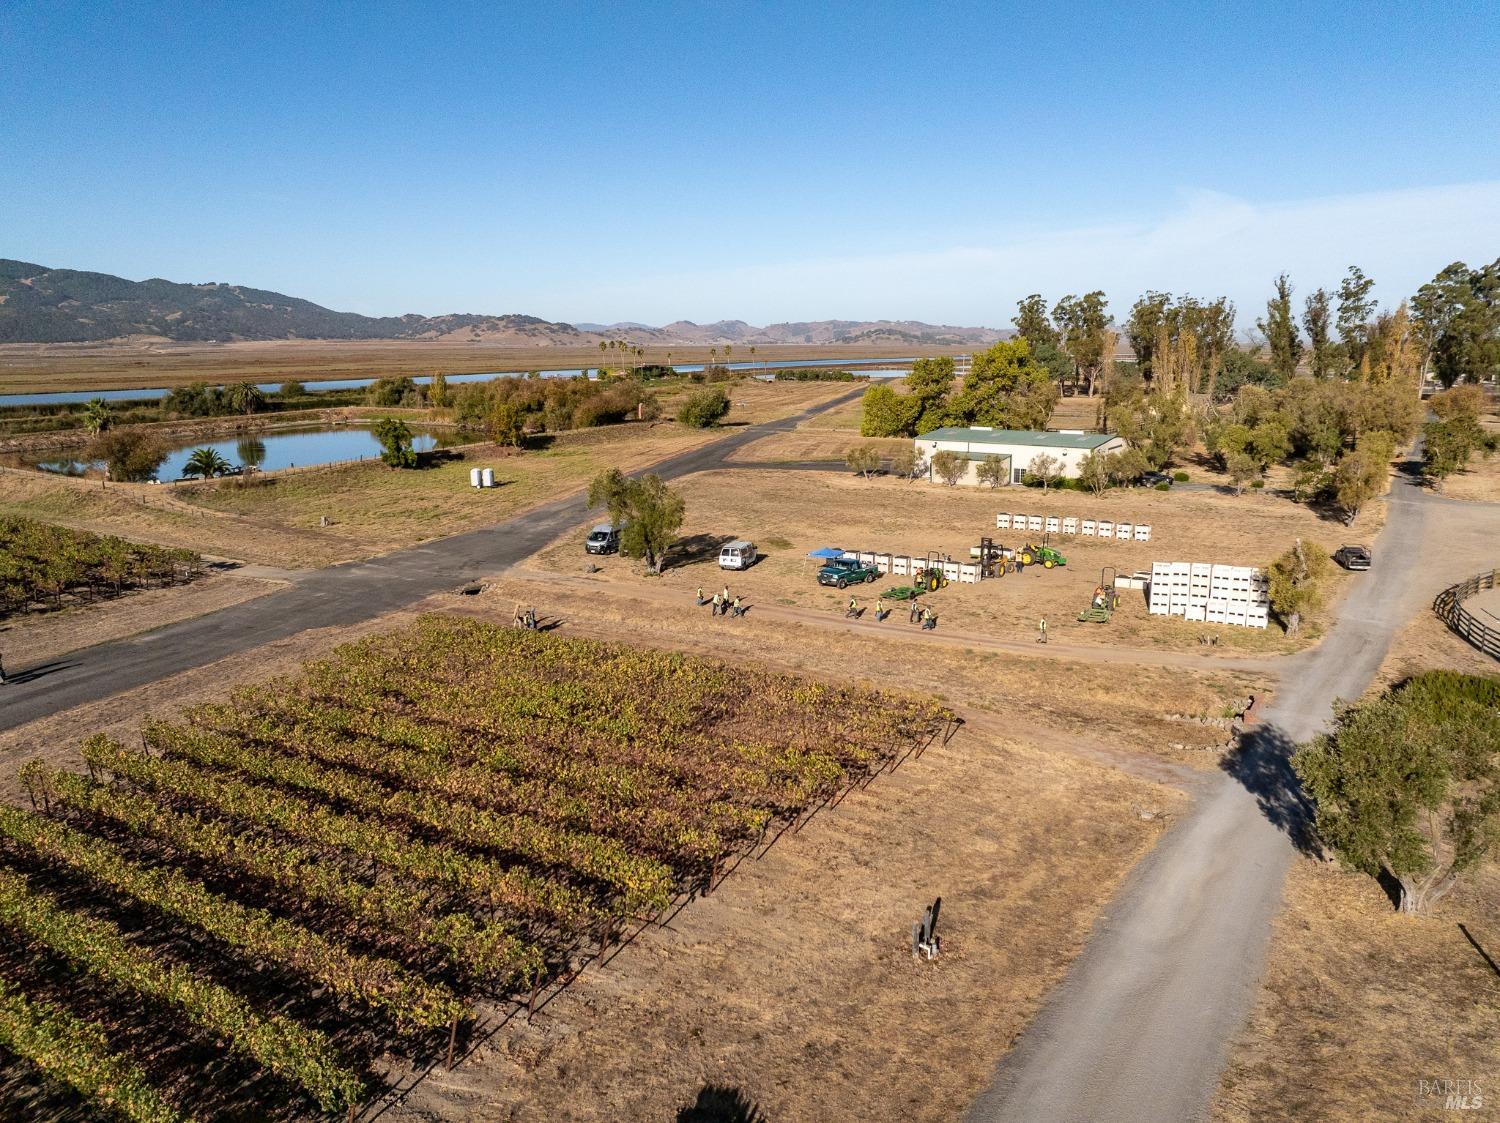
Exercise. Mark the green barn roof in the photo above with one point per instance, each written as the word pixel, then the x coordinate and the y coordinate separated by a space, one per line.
pixel 1034 437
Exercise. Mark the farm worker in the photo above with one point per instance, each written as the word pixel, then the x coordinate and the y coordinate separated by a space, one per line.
pixel 853 609
pixel 916 611
pixel 520 619
pixel 737 607
pixel 879 609
pixel 1041 631
pixel 726 594
pixel 701 600
pixel 929 621
pixel 718 603
pixel 531 617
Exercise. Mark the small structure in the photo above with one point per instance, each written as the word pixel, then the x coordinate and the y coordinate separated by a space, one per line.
pixel 1016 447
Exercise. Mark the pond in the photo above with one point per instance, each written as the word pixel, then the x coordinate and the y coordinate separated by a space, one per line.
pixel 316 386
pixel 268 451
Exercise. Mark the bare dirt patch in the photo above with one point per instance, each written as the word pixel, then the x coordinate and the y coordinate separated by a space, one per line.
pixel 804 510
pixel 28 640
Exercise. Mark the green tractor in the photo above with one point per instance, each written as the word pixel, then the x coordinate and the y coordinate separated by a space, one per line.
pixel 1045 556
pixel 929 580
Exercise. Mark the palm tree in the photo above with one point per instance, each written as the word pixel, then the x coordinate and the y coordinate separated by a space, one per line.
pixel 713 356
pixel 205 462
pixel 96 416
pixel 752 354
pixel 728 350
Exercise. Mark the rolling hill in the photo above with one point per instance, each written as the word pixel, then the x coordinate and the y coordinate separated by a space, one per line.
pixel 44 305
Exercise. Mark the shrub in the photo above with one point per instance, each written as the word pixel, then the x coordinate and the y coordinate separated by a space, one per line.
pixel 129 452
pixel 1180 477
pixel 1164 486
pixel 704 409
pixel 1254 484
pixel 395 439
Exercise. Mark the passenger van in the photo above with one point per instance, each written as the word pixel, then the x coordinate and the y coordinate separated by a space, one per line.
pixel 739 554
pixel 603 539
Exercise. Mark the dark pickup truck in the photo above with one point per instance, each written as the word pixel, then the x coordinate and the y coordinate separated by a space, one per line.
pixel 843 572
pixel 1353 557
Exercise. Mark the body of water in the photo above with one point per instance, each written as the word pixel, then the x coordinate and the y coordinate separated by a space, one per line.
pixel 268 451
pixel 319 385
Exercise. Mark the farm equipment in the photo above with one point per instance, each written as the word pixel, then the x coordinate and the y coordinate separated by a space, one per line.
pixel 843 572
pixel 993 560
pixel 1045 556
pixel 1105 600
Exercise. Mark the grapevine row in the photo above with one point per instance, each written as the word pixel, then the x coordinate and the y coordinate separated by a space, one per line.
pixel 76 1053
pixel 516 891
pixel 643 882
pixel 288 1049
pixel 253 931
pixel 488 951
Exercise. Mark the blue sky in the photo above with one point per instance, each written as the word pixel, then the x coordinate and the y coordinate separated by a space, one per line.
pixel 759 161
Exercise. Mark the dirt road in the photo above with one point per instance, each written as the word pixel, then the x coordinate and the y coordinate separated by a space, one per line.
pixel 1138 1030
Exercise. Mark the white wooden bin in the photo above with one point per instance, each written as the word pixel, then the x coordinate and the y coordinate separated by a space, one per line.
pixel 1034 522
pixel 1070 526
pixel 1088 528
pixel 1123 531
pixel 901 566
pixel 1002 522
pixel 1143 532
pixel 1054 524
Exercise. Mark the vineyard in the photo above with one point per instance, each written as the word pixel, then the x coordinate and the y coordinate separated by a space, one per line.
pixel 42 564
pixel 276 905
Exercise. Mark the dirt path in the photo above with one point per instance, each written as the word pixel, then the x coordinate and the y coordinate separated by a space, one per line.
pixel 1139 1028
pixel 945 637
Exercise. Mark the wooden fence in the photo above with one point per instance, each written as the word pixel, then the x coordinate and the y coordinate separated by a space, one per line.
pixel 1449 606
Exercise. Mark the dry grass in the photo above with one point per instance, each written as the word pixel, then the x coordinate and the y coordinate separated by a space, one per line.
pixel 1359 1003
pixel 32 639
pixel 794 983
pixel 807 509
pixel 37 367
pixel 371 508
pixel 1480 480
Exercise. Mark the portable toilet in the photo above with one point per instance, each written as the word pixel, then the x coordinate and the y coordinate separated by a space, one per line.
pixel 487 478
pixel 475 478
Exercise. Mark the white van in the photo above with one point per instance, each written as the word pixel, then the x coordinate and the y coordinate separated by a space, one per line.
pixel 603 539
pixel 739 554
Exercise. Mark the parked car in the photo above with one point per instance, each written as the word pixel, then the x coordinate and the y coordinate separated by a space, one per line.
pixel 739 554
pixel 843 572
pixel 1152 479
pixel 1353 557
pixel 603 539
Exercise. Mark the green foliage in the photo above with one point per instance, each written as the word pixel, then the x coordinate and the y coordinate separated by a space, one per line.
pixel 130 453
pixel 553 404
pixel 1408 784
pixel 864 459
pixel 1458 316
pixel 704 408
pixel 1296 582
pixel 993 470
pixel 1361 473
pixel 885 413
pixel 506 424
pixel 1317 321
pixel 1180 477
pixel 205 463
pixel 1449 445
pixel 1032 323
pixel 292 388
pixel 40 562
pixel 817 374
pixel 1083 325
pixel 437 391
pixel 199 399
pixel 96 416
pixel 395 439
pixel 394 391
pixel 1157 425
pixel 1045 469
pixel 1094 471
pixel 1004 388
pixel 244 397
pixel 905 462
pixel 650 513
pixel 1240 368
pixel 77 1053
pixel 277 1043
pixel 949 466
pixel 1164 486
pixel 1355 309
pixel 1280 329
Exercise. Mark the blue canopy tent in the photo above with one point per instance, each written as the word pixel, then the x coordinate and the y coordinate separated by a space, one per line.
pixel 826 552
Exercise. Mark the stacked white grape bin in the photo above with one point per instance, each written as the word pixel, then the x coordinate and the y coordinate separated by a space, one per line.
pixel 1212 594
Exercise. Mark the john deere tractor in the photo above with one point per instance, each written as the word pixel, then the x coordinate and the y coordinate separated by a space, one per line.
pixel 1045 556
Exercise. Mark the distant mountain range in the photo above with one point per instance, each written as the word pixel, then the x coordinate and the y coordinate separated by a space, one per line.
pixel 42 305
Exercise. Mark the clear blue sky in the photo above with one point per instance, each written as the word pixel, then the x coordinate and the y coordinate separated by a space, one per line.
pixel 763 161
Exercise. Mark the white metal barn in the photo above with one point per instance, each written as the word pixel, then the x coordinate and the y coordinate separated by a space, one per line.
pixel 1015 446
